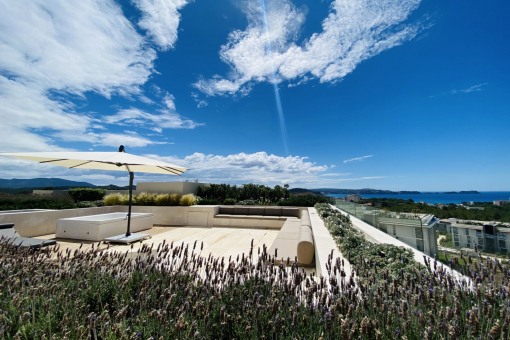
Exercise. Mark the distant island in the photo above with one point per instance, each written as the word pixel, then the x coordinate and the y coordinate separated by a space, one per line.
pixel 364 191
pixel 469 192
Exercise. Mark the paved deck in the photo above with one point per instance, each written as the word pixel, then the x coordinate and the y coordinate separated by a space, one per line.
pixel 218 241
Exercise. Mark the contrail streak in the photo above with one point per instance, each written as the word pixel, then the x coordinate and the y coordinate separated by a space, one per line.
pixel 275 83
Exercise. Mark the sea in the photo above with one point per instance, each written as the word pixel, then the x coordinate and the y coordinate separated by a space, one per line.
pixel 435 197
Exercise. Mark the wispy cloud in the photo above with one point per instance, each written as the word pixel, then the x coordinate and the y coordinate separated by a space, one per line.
pixel 474 88
pixel 352 32
pixel 163 119
pixel 470 89
pixel 161 20
pixel 336 174
pixel 357 159
pixel 200 102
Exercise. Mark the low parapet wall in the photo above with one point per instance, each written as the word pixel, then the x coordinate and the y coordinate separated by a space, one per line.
pixel 39 223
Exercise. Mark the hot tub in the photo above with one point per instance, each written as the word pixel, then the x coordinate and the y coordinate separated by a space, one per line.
pixel 99 227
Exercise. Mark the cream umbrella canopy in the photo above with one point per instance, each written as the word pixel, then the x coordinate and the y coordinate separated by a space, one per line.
pixel 115 161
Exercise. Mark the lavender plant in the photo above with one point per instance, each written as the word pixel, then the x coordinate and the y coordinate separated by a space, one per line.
pixel 175 291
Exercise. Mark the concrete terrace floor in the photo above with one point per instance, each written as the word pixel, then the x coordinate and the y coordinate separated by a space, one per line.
pixel 218 241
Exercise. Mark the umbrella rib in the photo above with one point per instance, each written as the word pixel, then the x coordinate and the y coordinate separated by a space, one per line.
pixel 54 160
pixel 75 166
pixel 175 172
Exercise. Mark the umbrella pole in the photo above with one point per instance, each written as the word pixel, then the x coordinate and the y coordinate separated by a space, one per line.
pixel 131 176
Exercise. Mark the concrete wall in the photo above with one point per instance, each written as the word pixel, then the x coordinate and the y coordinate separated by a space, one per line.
pixel 182 188
pixel 38 223
pixel 195 215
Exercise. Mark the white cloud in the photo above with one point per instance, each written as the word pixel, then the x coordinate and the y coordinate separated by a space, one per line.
pixel 470 89
pixel 168 99
pixel 202 103
pixel 354 30
pixel 241 168
pixel 161 20
pixel 163 119
pixel 357 159
pixel 51 51
pixel 127 139
pixel 331 174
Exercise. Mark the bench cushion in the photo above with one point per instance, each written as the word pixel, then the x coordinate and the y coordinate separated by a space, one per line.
pixel 257 211
pixel 305 248
pixel 286 248
pixel 291 227
pixel 273 211
pixel 305 218
pixel 227 209
pixel 241 210
pixel 294 212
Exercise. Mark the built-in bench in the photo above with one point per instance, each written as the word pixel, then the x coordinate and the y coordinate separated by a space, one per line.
pixel 295 238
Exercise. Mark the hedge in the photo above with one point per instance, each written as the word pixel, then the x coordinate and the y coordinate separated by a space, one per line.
pixel 87 194
pixel 31 201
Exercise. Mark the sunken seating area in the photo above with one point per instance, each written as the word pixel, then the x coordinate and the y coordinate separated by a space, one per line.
pixel 295 238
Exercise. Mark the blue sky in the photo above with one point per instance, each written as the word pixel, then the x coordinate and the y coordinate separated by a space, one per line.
pixel 402 95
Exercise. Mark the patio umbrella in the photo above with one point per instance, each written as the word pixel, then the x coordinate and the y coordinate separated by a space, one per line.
pixel 116 161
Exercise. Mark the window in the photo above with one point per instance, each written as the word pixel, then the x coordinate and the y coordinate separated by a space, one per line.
pixel 456 238
pixel 503 250
pixel 479 233
pixel 467 231
pixel 394 230
pixel 419 245
pixel 502 244
pixel 455 230
pixel 456 243
pixel 502 236
pixel 418 232
pixel 480 241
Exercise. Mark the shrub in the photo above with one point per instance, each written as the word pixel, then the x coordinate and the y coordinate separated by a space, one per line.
pixel 30 201
pixel 230 201
pixel 175 199
pixel 146 199
pixel 112 199
pixel 247 202
pixel 162 199
pixel 258 193
pixel 308 200
pixel 187 200
pixel 87 194
pixel 89 204
pixel 124 199
pixel 208 201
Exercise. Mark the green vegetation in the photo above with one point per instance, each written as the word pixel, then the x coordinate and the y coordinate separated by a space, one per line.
pixel 385 259
pixel 148 199
pixel 31 201
pixel 405 300
pixel 87 194
pixel 259 193
pixel 209 201
pixel 252 194
pixel 447 240
pixel 491 212
pixel 176 292
pixel 306 200
pixel 168 199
